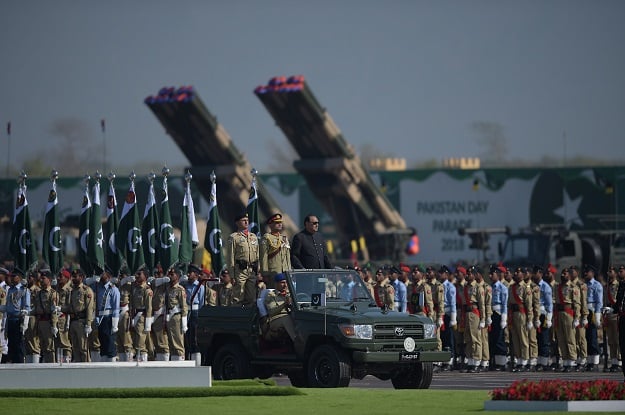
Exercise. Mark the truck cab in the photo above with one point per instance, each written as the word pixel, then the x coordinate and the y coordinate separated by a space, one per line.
pixel 341 332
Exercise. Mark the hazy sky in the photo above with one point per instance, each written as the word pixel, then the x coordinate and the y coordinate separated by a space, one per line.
pixel 408 77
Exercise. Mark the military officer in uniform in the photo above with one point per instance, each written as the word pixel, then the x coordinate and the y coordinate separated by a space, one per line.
pixel 595 305
pixel 438 297
pixel 176 318
pixel 278 304
pixel 141 314
pixel 224 289
pixel 620 310
pixel 384 291
pixel 45 304
pixel 195 295
pixel 17 315
pixel 275 249
pixel 420 299
pixel 158 333
pixel 545 319
pixel 475 313
pixel 568 314
pixel 64 290
pixel 611 319
pixel 532 334
pixel 81 312
pixel 124 336
pixel 461 273
pixel 488 317
pixel 580 331
pixel 496 340
pixel 521 318
pixel 31 336
pixel 107 315
pixel 242 256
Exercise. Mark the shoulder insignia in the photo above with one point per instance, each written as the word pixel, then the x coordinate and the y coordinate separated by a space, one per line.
pixel 429 291
pixel 150 293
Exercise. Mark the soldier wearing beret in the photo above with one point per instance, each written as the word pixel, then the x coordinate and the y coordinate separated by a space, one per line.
pixel 81 312
pixel 141 317
pixel 242 256
pixel 611 319
pixel 475 320
pixel 580 331
pixel 567 305
pixel 177 310
pixel 64 290
pixel 595 304
pixel 275 249
pixel 521 316
pixel 384 290
pixel 45 304
pixel 124 336
pixel 31 336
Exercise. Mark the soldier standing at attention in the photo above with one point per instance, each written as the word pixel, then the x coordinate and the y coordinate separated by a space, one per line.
pixel 450 318
pixel 612 318
pixel 107 316
pixel 438 298
pixel 158 334
pixel 384 291
pixel 533 332
pixel 141 314
pixel 242 255
pixel 401 300
pixel 567 319
pixel 45 304
pixel 195 293
pixel 595 304
pixel 475 320
pixel 176 318
pixel 580 331
pixel 224 289
pixel 124 337
pixel 545 317
pixel 620 310
pixel 17 311
pixel 488 318
pixel 275 249
pixel 81 313
pixel 420 299
pixel 31 336
pixel 64 290
pixel 520 309
pixel 497 344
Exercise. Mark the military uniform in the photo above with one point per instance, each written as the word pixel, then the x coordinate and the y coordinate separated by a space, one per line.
pixel 496 343
pixel 31 336
pixel 81 311
pixel 461 318
pixel 420 300
pixel 4 349
pixel 242 255
pixel 63 342
pixel 124 337
pixel 611 323
pixel 532 335
pixel 545 324
pixel 385 294
pixel 195 297
pixel 594 305
pixel 475 311
pixel 45 304
pixel 568 303
pixel 438 298
pixel 141 318
pixel 177 310
pixel 488 309
pixel 159 336
pixel 17 310
pixel 279 320
pixel 520 319
pixel 275 254
pixel 107 318
pixel 580 332
pixel 224 294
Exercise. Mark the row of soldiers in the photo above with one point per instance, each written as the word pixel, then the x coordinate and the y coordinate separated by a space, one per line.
pixel 524 317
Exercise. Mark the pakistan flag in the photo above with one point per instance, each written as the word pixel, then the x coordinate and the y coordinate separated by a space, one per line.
pixel 112 254
pixel 21 245
pixel 212 239
pixel 51 247
pixel 149 230
pixel 83 232
pixel 168 248
pixel 129 232
pixel 95 246
pixel 188 231
pixel 252 209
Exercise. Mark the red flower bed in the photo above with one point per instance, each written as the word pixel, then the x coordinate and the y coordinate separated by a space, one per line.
pixel 560 390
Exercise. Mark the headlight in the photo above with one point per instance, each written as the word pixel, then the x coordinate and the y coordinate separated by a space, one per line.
pixel 429 331
pixel 357 331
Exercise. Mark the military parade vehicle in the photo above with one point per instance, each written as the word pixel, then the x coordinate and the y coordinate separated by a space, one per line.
pixel 341 334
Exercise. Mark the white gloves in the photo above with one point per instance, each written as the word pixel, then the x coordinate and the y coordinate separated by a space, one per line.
pixel 530 325
pixel 148 324
pixel 504 321
pixel 482 324
pixel 608 310
pixel 24 313
pixel 88 330
pixel 55 331
pixel 489 321
pixel 598 319
pixel 453 320
pixel 24 326
pixel 537 323
pixel 440 323
pixel 136 318
pixel 114 325
pixel 160 281
pixel 548 320
pixel 585 322
pixel 576 323
pixel 184 325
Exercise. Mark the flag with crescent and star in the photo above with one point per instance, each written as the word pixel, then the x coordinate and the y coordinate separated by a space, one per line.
pixel 129 232
pixel 149 230
pixel 188 231
pixel 252 209
pixel 113 256
pixel 83 232
pixel 95 246
pixel 168 246
pixel 212 239
pixel 51 247
pixel 21 245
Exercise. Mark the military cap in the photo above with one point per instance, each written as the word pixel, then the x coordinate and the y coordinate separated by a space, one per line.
pixel 502 268
pixel 225 271
pixel 18 272
pixel 461 270
pixel 475 269
pixel 65 273
pixel 240 216
pixel 537 268
pixel 589 268
pixel 394 270
pixel 574 267
pixel 493 269
pixel 520 269
pixel 444 269
pixel 4 271
pixel 621 267
pixel 279 277
pixel 45 272
pixel 428 269
pixel 194 268
pixel 552 269
pixel 275 218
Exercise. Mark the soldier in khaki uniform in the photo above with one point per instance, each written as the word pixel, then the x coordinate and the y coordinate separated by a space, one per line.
pixel 81 311
pixel 532 333
pixel 158 334
pixel 242 256
pixel 177 310
pixel 31 336
pixel 64 290
pixel 141 314
pixel 278 304
pixel 475 320
pixel 460 282
pixel 224 289
pixel 580 332
pixel 438 298
pixel 275 249
pixel 611 319
pixel 365 274
pixel 124 336
pixel 488 312
pixel 420 296
pixel 384 291
pixel 45 304
pixel 568 304
pixel 4 274
pixel 521 319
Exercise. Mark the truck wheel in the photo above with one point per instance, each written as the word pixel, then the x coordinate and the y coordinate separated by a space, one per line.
pixel 298 378
pixel 231 362
pixel 418 376
pixel 328 367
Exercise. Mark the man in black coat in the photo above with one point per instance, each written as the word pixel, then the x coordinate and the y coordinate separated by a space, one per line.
pixel 620 310
pixel 308 247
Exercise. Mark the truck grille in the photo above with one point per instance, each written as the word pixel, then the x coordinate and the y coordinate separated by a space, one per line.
pixel 397 332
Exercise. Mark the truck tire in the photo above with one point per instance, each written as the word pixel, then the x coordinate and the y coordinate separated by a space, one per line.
pixel 328 367
pixel 418 376
pixel 298 378
pixel 231 362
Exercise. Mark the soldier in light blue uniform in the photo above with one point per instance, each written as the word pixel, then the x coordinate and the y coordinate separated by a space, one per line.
pixel 17 311
pixel 107 316
pixel 196 297
pixel 450 317
pixel 595 304
pixel 401 295
pixel 496 336
pixel 546 319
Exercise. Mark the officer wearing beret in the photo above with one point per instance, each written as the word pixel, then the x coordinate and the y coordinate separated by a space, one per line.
pixel 45 304
pixel 580 331
pixel 595 304
pixel 384 290
pixel 275 249
pixel 567 305
pixel 521 319
pixel 81 312
pixel 242 256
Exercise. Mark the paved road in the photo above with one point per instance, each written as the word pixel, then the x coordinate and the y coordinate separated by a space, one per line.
pixel 468 381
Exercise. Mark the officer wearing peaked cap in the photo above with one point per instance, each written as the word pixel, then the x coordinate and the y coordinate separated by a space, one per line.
pixel 195 295
pixel 595 305
pixel 275 249
pixel 242 257
pixel 17 310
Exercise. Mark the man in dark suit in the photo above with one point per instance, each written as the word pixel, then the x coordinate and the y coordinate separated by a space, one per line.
pixel 308 247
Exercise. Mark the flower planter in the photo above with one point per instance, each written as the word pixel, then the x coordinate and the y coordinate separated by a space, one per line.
pixel 562 406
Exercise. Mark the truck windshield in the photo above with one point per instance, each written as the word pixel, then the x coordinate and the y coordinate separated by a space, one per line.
pixel 525 250
pixel 337 286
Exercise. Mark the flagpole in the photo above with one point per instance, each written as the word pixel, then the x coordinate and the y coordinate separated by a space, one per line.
pixel 103 126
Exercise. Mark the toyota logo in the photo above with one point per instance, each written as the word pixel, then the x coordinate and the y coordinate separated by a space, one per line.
pixel 399 331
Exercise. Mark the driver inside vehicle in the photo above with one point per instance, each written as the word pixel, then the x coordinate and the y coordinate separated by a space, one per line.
pixel 279 305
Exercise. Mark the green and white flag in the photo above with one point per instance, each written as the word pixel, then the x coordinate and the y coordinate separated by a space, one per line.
pixel 95 245
pixel 188 231
pixel 113 256
pixel 149 230
pixel 83 232
pixel 252 209
pixel 129 232
pixel 51 247
pixel 21 245
pixel 168 246
pixel 212 239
